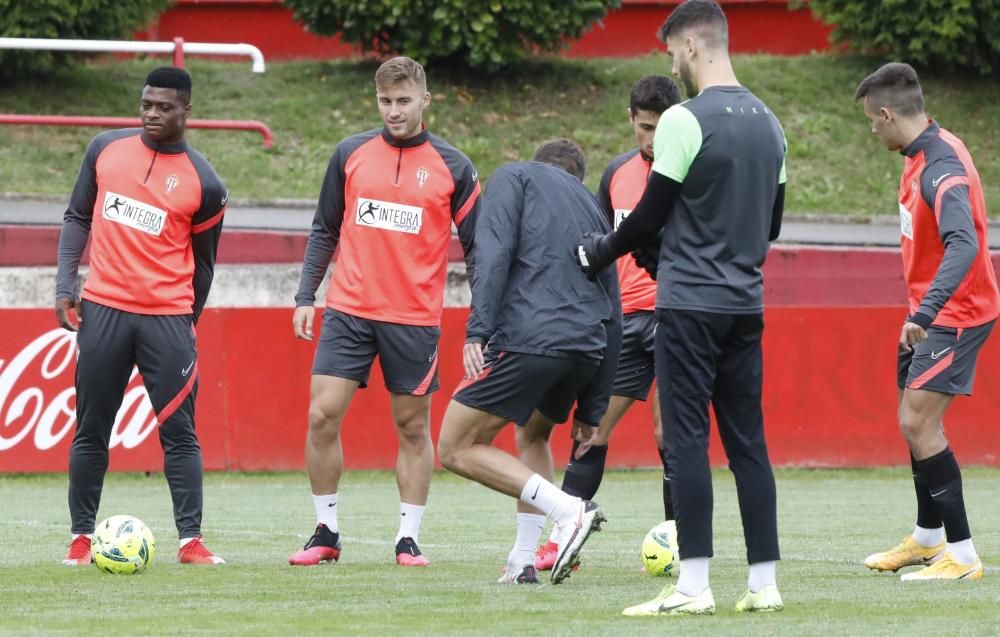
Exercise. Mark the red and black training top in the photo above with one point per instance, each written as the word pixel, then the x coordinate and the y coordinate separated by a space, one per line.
pixel 620 190
pixel 153 214
pixel 389 205
pixel 943 227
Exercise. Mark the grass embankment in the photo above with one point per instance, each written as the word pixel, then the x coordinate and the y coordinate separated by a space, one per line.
pixel 835 165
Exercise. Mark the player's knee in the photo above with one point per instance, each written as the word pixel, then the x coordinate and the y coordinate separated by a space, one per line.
pixel 447 454
pixel 324 423
pixel 527 437
pixel 913 425
pixel 414 430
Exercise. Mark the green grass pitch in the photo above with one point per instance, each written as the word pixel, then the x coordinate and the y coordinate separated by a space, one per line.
pixel 828 521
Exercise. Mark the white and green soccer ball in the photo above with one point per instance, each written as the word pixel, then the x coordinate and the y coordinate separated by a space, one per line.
pixel 122 545
pixel 658 551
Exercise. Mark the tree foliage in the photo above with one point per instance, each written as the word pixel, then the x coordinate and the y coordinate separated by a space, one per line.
pixel 67 19
pixel 480 33
pixel 941 34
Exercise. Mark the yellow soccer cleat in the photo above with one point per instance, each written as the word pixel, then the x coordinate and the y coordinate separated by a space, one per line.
pixel 672 602
pixel 766 600
pixel 906 553
pixel 947 568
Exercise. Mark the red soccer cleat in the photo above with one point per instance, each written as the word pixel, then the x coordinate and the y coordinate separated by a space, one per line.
pixel 322 548
pixel 407 553
pixel 194 552
pixel 545 556
pixel 79 552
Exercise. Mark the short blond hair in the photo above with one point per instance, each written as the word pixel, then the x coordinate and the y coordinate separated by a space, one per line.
pixel 399 70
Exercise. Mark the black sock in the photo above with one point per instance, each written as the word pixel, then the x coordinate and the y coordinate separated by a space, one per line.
pixel 668 500
pixel 944 483
pixel 583 476
pixel 927 515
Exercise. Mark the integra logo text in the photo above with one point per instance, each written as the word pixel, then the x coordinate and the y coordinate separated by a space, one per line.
pixel 133 213
pixel 388 215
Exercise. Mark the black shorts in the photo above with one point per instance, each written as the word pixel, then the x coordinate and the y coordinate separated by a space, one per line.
pixel 408 354
pixel 944 362
pixel 514 385
pixel 636 371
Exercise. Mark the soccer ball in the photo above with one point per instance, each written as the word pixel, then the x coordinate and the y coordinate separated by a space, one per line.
pixel 658 551
pixel 122 545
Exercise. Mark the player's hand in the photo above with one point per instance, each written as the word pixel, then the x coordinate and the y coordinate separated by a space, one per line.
pixel 472 359
pixel 585 435
pixel 63 307
pixel 594 254
pixel 302 322
pixel 647 256
pixel 911 335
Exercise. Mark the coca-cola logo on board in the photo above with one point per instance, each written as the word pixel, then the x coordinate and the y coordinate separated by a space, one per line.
pixel 38 399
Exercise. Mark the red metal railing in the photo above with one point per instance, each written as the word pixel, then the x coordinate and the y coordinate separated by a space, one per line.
pixel 126 122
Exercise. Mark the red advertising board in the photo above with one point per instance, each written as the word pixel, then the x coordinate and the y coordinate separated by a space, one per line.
pixel 830 397
pixel 766 26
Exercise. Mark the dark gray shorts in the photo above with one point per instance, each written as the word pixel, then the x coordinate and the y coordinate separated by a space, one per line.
pixel 408 354
pixel 944 362
pixel 514 385
pixel 636 371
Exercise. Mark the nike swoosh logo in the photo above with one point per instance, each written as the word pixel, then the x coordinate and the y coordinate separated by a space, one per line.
pixel 937 355
pixel 935 182
pixel 934 495
pixel 535 494
pixel 187 370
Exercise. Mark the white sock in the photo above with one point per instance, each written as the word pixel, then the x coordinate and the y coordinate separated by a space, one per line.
pixel 529 531
pixel 761 575
pixel 694 576
pixel 410 516
pixel 326 511
pixel 963 551
pixel 185 541
pixel 928 537
pixel 89 536
pixel 545 496
pixel 554 535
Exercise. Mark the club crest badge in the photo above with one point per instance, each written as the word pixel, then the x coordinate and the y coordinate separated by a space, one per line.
pixel 172 182
pixel 422 175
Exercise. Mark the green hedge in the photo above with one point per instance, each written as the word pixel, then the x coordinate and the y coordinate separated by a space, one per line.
pixel 70 19
pixel 941 34
pixel 480 33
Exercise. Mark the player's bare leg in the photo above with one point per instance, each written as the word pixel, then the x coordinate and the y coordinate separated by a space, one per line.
pixel 329 397
pixel 941 539
pixel 533 448
pixel 535 452
pixel 414 467
pixel 465 447
pixel 920 414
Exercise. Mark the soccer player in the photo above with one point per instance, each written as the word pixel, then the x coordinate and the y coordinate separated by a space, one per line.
pixel 621 186
pixel 152 207
pixel 389 199
pixel 717 191
pixel 536 335
pixel 953 304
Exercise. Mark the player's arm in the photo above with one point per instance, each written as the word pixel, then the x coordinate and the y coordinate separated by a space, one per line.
pixel 465 203
pixel 497 238
pixel 206 231
pixel 323 239
pixel 604 381
pixel 778 211
pixel 677 142
pixel 73 237
pixel 604 193
pixel 945 188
